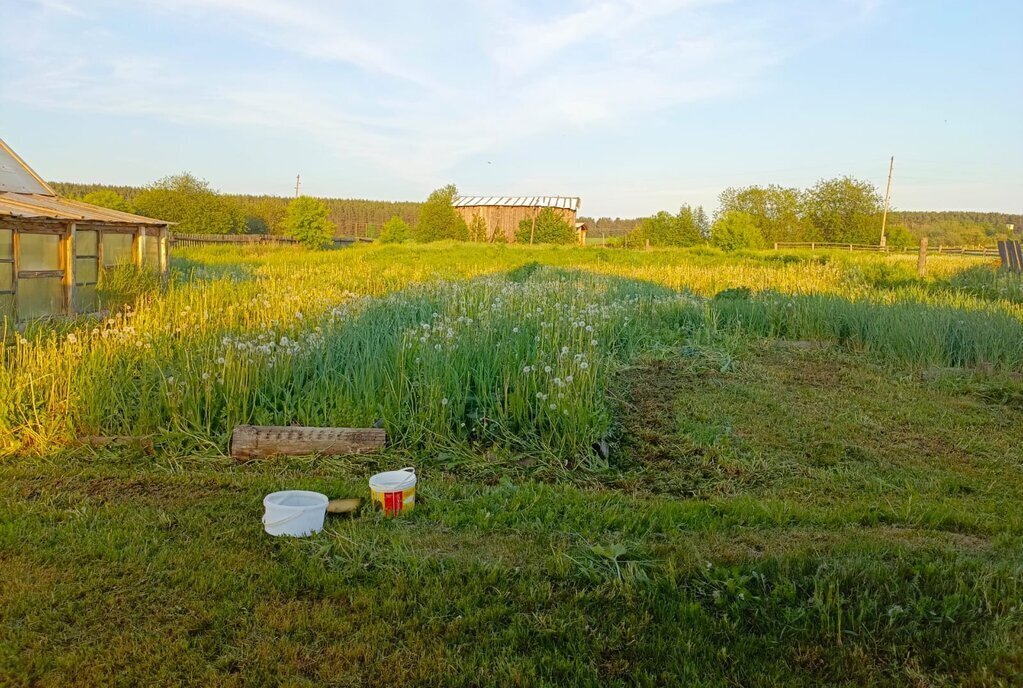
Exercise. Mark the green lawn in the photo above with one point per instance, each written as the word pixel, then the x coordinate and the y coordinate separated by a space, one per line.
pixel 774 514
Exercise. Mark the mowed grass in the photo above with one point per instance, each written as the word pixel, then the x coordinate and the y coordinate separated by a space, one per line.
pixel 637 468
pixel 801 518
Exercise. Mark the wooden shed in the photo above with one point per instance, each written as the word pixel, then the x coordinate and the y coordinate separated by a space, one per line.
pixel 53 250
pixel 581 230
pixel 504 213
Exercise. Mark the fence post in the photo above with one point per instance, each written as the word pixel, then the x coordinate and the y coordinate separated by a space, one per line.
pixel 776 246
pixel 921 261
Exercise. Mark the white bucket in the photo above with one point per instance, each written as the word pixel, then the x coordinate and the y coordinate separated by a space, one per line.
pixel 394 491
pixel 294 512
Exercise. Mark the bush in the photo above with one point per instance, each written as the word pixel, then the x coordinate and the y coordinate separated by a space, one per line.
pixel 395 231
pixel 736 230
pixel 106 198
pixel 307 220
pixel 547 228
pixel 477 228
pixel 899 236
pixel 192 204
pixel 438 219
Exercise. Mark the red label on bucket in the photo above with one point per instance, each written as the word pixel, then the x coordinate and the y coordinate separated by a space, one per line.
pixel 393 502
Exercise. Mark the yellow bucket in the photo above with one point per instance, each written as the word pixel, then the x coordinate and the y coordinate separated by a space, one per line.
pixel 394 491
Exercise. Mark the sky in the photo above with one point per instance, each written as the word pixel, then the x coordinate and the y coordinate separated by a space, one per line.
pixel 635 106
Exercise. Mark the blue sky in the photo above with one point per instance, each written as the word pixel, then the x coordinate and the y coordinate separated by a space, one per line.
pixel 634 105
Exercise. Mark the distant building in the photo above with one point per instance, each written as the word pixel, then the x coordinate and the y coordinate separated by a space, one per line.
pixel 581 230
pixel 53 250
pixel 504 213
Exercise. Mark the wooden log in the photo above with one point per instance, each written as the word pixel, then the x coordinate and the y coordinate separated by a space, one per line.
pixel 257 441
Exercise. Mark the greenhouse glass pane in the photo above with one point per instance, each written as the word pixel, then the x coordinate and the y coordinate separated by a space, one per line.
pixel 39 251
pixel 6 244
pixel 151 252
pixel 116 249
pixel 86 300
pixel 6 306
pixel 86 271
pixel 6 276
pixel 40 296
pixel 86 243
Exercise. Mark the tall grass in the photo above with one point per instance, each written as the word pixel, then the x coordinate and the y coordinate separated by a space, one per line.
pixel 478 346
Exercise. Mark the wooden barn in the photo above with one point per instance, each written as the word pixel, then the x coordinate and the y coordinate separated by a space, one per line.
pixel 53 250
pixel 504 213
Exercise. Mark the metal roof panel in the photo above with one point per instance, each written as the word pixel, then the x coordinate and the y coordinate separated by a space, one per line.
pixel 46 207
pixel 16 176
pixel 566 202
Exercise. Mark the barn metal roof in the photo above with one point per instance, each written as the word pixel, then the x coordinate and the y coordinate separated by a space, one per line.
pixel 565 202
pixel 24 194
pixel 46 207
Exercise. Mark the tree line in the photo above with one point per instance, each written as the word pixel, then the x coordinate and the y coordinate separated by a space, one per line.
pixel 840 210
pixel 259 214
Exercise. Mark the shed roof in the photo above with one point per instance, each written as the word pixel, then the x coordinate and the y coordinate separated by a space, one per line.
pixel 24 195
pixel 564 202
pixel 17 177
pixel 45 207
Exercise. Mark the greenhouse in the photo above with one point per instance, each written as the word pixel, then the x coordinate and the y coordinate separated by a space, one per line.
pixel 54 251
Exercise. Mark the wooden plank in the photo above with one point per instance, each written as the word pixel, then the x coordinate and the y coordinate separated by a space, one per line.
pixel 68 259
pixel 137 248
pixel 29 274
pixel 257 441
pixel 16 255
pixel 162 251
pixel 1015 256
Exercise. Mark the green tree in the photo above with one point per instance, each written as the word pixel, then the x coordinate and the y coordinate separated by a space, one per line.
pixel 701 221
pixel 691 228
pixel 438 219
pixel 395 231
pixel 547 228
pixel 687 228
pixel 736 230
pixel 308 221
pixel 107 198
pixel 898 236
pixel 192 204
pixel 271 211
pixel 477 228
pixel 776 210
pixel 844 209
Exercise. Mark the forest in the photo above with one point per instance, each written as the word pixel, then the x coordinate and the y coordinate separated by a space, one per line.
pixel 264 214
pixel 843 209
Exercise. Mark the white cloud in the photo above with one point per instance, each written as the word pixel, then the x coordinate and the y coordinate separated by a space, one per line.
pixel 410 91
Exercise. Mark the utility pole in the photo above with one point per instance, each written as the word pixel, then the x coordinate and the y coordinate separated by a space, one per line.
pixel 887 196
pixel 298 183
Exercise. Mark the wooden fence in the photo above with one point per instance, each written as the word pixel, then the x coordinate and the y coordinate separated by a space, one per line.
pixel 250 240
pixel 1011 254
pixel 944 250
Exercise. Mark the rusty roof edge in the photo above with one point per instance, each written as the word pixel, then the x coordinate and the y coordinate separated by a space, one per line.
pixel 59 208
